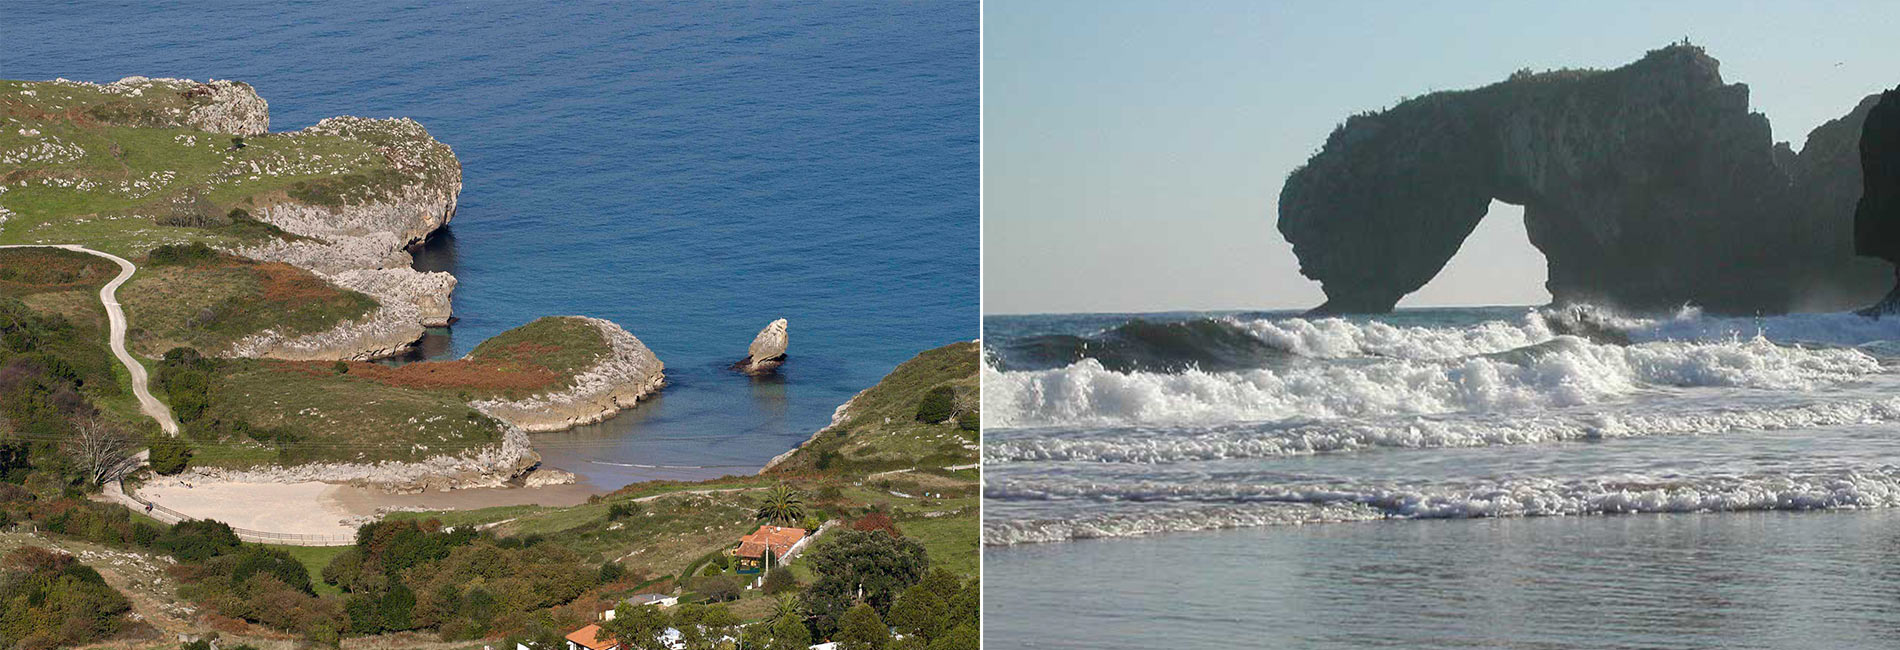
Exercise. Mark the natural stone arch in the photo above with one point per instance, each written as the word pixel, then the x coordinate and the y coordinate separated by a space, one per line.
pixel 1645 187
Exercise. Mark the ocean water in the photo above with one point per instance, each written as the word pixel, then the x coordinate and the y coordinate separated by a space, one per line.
pixel 689 171
pixel 1501 477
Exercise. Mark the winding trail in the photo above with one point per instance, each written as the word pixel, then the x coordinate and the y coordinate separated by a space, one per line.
pixel 108 295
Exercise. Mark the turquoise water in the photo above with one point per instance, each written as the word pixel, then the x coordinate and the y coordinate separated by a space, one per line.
pixel 689 172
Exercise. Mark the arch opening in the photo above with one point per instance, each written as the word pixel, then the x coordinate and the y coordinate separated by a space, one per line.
pixel 1495 265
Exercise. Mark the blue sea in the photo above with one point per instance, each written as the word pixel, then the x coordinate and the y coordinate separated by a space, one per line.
pixel 1495 477
pixel 691 171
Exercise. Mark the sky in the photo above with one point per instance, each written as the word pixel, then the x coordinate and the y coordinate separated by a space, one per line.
pixel 1133 151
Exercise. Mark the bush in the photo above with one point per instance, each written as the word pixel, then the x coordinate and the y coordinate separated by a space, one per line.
pixel 877 522
pixel 197 540
pixel 610 571
pixel 191 254
pixel 341 367
pixel 258 559
pixel 51 600
pixel 970 421
pixel 937 405
pixel 619 511
pixel 170 455
pixel 717 589
pixel 780 582
pixel 711 570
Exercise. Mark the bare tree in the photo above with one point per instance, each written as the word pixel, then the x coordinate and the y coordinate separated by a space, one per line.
pixel 99 448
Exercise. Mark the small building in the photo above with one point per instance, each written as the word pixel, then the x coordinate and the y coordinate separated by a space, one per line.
pixel 584 639
pixel 783 543
pixel 657 600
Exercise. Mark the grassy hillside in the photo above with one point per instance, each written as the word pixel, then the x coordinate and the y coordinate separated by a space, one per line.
pixel 881 431
pixel 273 412
pixel 211 303
pixel 115 172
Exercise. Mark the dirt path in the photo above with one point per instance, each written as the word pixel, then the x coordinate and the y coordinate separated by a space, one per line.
pixel 108 295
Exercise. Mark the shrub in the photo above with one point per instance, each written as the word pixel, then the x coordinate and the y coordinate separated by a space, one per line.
pixel 622 510
pixel 780 582
pixel 711 570
pixel 170 455
pixel 970 421
pixel 258 559
pixel 341 367
pixel 937 405
pixel 51 600
pixel 610 571
pixel 191 254
pixel 877 522
pixel 197 540
pixel 718 588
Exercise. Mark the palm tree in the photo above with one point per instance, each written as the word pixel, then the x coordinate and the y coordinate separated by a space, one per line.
pixel 787 607
pixel 782 506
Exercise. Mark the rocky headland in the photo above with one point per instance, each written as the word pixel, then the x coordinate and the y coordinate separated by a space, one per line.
pixel 616 380
pixel 1646 187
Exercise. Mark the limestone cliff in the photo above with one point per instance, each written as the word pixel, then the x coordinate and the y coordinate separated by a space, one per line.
pixel 216 105
pixel 512 462
pixel 616 381
pixel 1646 187
pixel 370 229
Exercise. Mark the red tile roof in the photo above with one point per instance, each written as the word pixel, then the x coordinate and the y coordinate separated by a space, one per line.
pixel 585 638
pixel 777 538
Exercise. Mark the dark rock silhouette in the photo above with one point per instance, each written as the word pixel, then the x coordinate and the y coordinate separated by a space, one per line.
pixel 1877 216
pixel 1646 187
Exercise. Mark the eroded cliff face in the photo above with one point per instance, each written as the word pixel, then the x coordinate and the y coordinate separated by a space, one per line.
pixel 616 381
pixel 361 243
pixel 1877 213
pixel 1646 187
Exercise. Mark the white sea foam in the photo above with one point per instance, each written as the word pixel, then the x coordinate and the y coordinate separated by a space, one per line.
pixel 1567 371
pixel 1202 506
pixel 1841 328
pixel 1173 446
pixel 1334 338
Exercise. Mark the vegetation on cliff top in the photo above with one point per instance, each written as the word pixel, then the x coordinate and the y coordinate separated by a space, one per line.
pixel 210 302
pixel 883 430
pixel 120 174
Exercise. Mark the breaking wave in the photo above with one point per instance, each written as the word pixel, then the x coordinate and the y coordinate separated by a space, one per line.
pixel 1174 446
pixel 1234 505
pixel 1560 372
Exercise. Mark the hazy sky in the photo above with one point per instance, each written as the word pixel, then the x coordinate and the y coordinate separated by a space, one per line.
pixel 1134 151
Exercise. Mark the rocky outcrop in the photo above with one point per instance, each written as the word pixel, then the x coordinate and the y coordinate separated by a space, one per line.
pixel 362 244
pixel 767 351
pixel 1877 213
pixel 402 296
pixel 216 105
pixel 626 373
pixel 512 462
pixel 1646 187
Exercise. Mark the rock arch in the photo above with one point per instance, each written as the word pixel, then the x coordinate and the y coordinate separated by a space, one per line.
pixel 1646 187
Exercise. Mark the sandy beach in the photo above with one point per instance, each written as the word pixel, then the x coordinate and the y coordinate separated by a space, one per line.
pixel 318 508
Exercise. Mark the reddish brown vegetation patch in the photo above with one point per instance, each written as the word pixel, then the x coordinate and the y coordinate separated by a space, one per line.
pixel 36 270
pixel 285 283
pixel 475 377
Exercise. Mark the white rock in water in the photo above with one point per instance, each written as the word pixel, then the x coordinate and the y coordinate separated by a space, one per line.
pixel 767 351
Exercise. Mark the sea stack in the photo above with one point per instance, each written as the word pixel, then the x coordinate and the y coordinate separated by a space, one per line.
pixel 1877 217
pixel 767 351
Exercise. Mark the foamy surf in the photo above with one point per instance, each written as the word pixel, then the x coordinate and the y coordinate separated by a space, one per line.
pixel 1566 371
pixel 1205 506
pixel 1149 446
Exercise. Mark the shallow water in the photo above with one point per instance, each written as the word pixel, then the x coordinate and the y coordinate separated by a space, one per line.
pixel 1733 580
pixel 689 172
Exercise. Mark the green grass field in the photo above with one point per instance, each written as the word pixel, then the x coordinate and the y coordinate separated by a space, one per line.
pixel 210 306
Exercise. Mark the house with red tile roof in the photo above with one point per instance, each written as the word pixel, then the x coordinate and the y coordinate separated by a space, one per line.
pixel 781 542
pixel 585 639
